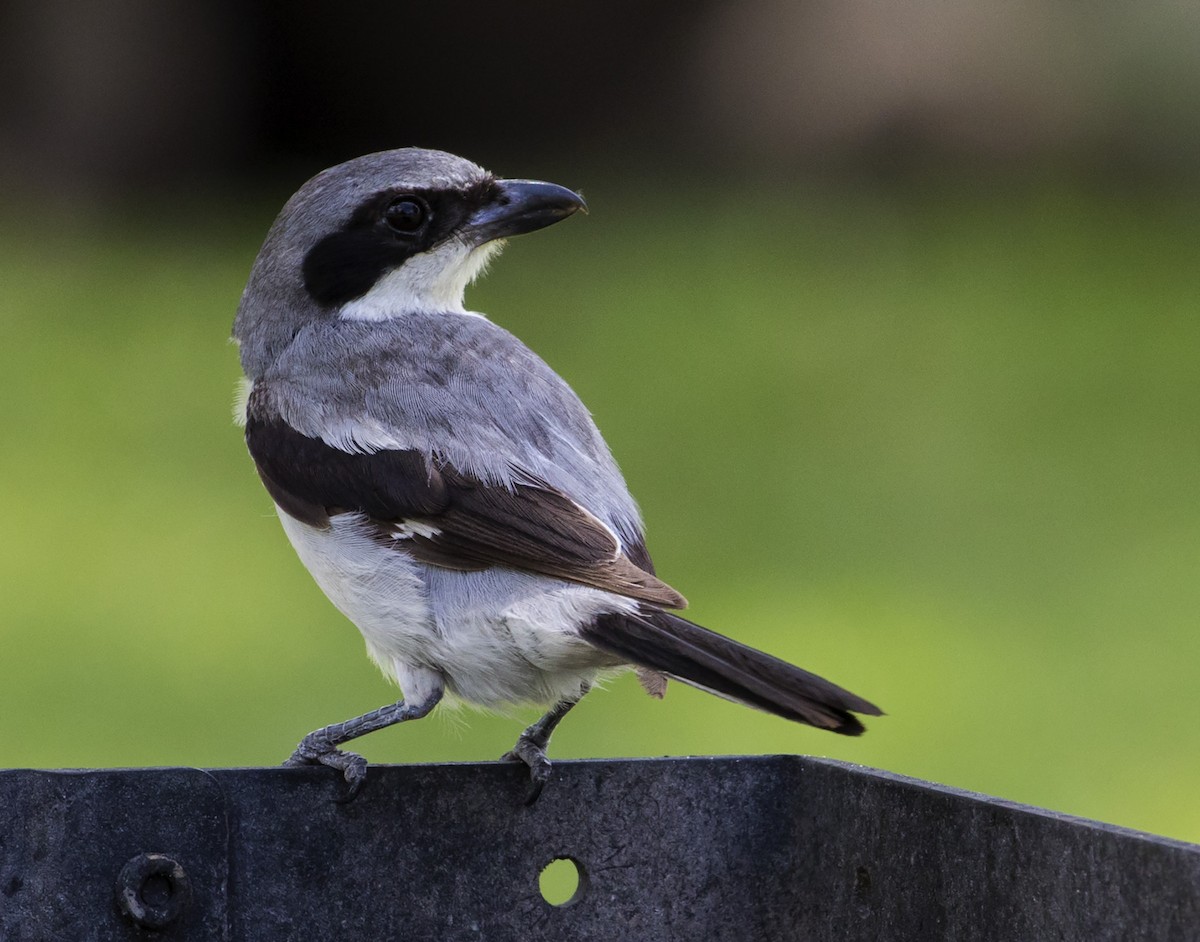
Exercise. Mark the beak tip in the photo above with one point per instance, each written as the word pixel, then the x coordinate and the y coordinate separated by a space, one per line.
pixel 525 206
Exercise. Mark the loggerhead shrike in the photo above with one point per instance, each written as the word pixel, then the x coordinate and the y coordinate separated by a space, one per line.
pixel 446 489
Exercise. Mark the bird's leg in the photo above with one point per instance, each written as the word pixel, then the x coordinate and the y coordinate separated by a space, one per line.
pixel 531 745
pixel 321 746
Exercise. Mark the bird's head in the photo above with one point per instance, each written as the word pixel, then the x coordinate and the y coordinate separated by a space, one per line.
pixel 384 235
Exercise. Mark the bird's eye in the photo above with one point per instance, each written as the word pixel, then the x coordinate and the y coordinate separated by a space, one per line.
pixel 406 214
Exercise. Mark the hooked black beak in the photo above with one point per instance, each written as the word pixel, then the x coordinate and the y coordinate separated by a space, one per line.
pixel 522 206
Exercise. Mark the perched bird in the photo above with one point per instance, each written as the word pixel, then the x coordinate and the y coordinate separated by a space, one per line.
pixel 447 490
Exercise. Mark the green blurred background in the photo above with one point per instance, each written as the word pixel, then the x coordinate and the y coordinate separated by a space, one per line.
pixel 913 405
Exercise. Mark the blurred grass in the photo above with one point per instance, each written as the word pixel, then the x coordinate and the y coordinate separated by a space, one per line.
pixel 938 443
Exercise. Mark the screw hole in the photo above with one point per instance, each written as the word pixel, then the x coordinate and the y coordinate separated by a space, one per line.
pixel 153 890
pixel 562 881
pixel 156 891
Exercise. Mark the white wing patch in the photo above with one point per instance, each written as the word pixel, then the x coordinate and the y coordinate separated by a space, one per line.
pixel 407 529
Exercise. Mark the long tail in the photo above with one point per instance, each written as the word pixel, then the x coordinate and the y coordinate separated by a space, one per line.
pixel 685 651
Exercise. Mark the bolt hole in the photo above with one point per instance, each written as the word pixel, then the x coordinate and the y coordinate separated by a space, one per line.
pixel 152 890
pixel 562 881
pixel 156 890
pixel 862 881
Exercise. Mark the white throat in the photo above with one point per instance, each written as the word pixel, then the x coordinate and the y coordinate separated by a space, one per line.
pixel 431 281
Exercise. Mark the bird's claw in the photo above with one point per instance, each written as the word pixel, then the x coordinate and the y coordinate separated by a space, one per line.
pixel 534 756
pixel 322 752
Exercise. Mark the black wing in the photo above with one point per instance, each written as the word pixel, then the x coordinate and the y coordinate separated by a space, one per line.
pixel 464 523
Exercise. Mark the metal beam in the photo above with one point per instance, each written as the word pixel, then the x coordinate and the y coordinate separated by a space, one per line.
pixel 752 849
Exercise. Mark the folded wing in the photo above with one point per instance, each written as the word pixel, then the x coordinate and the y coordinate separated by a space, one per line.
pixel 447 518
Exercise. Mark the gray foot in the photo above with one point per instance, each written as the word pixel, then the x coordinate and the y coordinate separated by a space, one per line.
pixel 320 747
pixel 533 754
pixel 531 746
pixel 315 750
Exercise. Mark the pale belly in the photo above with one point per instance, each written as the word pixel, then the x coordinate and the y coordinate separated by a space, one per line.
pixel 496 638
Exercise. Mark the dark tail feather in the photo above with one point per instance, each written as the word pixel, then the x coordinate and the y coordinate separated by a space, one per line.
pixel 683 650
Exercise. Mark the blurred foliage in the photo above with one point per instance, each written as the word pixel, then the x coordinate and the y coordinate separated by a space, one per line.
pixel 935 442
